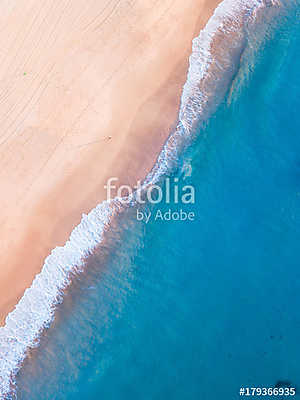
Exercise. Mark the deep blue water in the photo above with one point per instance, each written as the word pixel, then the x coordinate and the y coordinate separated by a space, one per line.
pixel 194 310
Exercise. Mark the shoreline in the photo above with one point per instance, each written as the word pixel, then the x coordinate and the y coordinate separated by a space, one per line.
pixel 44 219
pixel 207 81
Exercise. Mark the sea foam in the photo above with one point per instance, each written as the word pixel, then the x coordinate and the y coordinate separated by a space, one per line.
pixel 214 61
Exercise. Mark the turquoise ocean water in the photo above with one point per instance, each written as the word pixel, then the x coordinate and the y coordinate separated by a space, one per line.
pixel 195 310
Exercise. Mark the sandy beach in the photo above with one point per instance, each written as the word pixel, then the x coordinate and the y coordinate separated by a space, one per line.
pixel 89 90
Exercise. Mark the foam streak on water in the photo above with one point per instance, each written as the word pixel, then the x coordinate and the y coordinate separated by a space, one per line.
pixel 213 63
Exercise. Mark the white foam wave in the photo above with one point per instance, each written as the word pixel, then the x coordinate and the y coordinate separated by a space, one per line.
pixel 213 63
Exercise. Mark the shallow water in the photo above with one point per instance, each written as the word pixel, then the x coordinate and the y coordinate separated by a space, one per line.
pixel 194 310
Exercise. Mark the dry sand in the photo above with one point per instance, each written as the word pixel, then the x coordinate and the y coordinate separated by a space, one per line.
pixel 73 74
